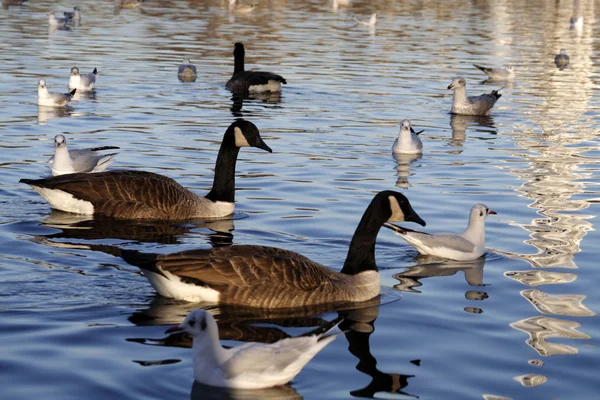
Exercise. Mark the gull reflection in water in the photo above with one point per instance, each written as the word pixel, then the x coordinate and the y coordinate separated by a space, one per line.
pixel 460 123
pixel 403 167
pixel 45 113
pixel 541 328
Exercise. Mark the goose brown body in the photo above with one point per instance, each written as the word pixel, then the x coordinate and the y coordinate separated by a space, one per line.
pixel 146 195
pixel 268 277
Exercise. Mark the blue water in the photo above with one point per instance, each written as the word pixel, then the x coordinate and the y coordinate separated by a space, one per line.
pixel 520 324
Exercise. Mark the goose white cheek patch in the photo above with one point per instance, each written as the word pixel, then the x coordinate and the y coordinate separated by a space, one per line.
pixel 240 139
pixel 397 214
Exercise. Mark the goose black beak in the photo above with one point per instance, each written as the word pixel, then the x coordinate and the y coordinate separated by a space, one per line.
pixel 262 145
pixel 412 216
pixel 172 329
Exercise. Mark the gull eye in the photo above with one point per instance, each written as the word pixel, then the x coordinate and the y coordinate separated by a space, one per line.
pixel 481 213
pixel 192 322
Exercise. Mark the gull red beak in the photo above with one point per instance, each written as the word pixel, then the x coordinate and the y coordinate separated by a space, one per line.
pixel 172 329
pixel 492 212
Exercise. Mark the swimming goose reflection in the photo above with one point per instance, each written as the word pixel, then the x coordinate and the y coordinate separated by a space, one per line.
pixel 87 227
pixel 403 166
pixel 460 123
pixel 358 325
pixel 239 98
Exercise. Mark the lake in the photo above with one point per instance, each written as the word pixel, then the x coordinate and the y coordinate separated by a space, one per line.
pixel 520 323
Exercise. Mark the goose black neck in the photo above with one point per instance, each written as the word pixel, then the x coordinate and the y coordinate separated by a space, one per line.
pixel 224 183
pixel 238 61
pixel 361 254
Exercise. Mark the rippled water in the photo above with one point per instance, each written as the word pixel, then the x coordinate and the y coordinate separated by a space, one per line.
pixel 520 324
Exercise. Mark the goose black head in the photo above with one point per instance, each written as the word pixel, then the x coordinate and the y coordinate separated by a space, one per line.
pixel 399 208
pixel 238 49
pixel 246 134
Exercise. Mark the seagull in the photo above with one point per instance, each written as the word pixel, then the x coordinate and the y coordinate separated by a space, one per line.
pixel 465 246
pixel 83 83
pixel 186 71
pixel 472 105
pixel 371 23
pixel 561 59
pixel 241 8
pixel 46 98
pixel 252 365
pixel 53 21
pixel 83 160
pixel 408 141
pixel 498 74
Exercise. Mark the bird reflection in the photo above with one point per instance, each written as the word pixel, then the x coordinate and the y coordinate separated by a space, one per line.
pixel 46 113
pixel 428 267
pixel 403 167
pixel 358 325
pixel 460 123
pixel 85 95
pixel 205 392
pixel 74 226
pixel 238 101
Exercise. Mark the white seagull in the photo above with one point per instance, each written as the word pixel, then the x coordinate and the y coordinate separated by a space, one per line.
pixel 370 23
pixel 408 141
pixel 251 365
pixel 471 105
pixel 83 83
pixel 54 21
pixel 48 99
pixel 498 74
pixel 465 246
pixel 83 160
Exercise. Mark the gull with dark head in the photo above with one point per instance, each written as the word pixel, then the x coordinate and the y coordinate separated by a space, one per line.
pixel 252 365
pixel 83 83
pixel 83 160
pixel 468 245
pixel 48 99
pixel 562 59
pixel 471 105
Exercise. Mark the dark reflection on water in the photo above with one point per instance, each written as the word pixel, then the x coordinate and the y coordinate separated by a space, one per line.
pixel 460 124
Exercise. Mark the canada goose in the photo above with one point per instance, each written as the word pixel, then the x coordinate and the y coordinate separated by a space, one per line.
pixel 472 105
pixel 408 141
pixel 498 74
pixel 48 99
pixel 84 160
pixel 252 365
pixel 187 71
pixel 74 16
pixel 82 82
pixel 251 81
pixel 145 195
pixel 561 59
pixel 468 245
pixel 269 277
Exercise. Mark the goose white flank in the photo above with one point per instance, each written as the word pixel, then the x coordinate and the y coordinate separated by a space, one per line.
pixel 408 141
pixel 498 74
pixel 45 98
pixel 468 245
pixel 471 105
pixel 133 194
pixel 251 365
pixel 83 160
